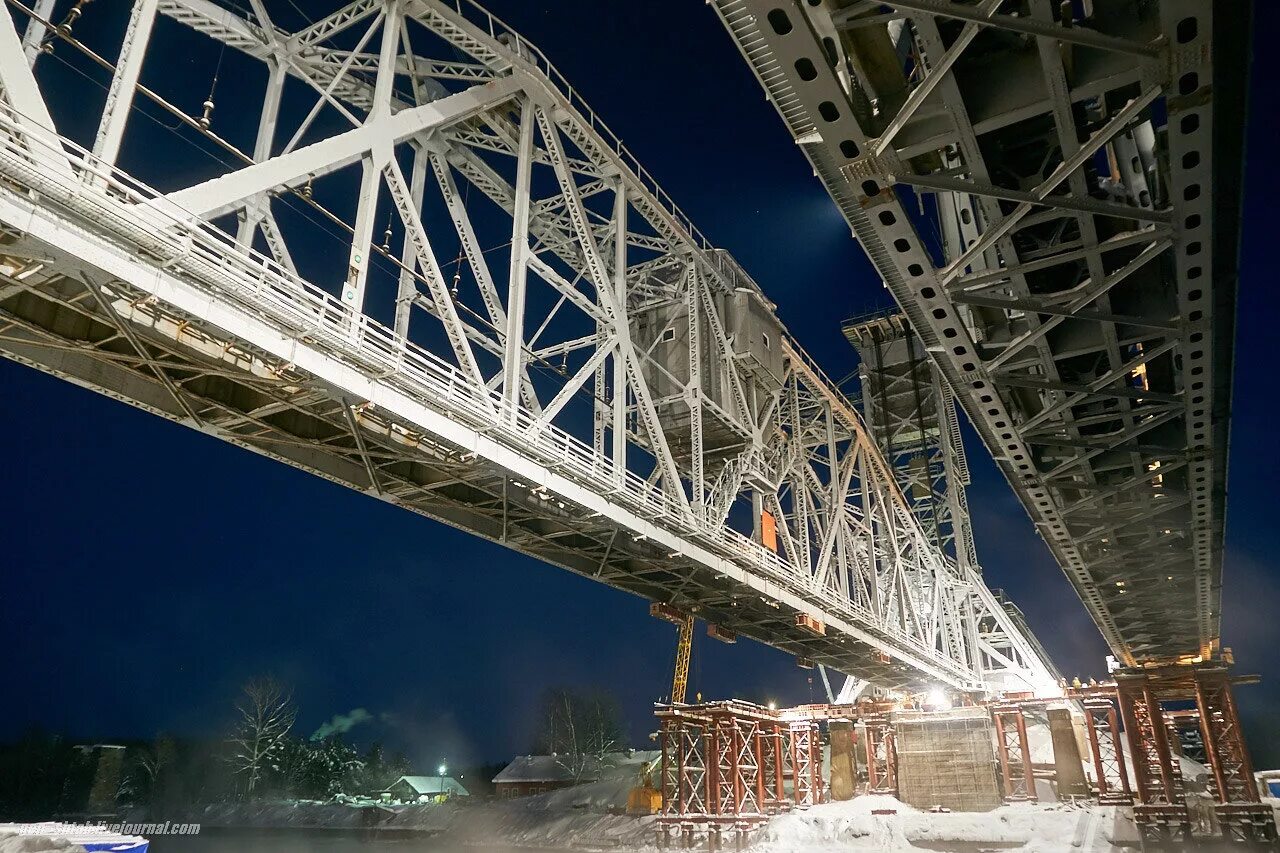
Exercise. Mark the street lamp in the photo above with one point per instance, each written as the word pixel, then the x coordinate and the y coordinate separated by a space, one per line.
pixel 442 770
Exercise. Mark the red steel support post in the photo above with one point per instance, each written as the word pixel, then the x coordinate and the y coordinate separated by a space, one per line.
pixel 1108 754
pixel 1161 812
pixel 881 754
pixel 1015 756
pixel 1241 814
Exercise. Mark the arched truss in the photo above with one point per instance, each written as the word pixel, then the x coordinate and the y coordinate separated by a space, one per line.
pixel 501 339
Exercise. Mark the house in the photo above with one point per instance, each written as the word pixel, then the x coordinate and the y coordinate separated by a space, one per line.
pixel 537 774
pixel 423 789
pixel 527 775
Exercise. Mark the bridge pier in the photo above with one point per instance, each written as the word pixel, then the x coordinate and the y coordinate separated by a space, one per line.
pixel 1107 752
pixel 881 754
pixel 1150 700
pixel 1014 752
pixel 726 767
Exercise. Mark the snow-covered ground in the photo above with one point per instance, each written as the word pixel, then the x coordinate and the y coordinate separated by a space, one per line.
pixel 855 825
pixel 53 837
pixel 13 843
pixel 586 818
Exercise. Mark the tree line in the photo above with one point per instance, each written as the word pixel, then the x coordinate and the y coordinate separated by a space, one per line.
pixel 262 758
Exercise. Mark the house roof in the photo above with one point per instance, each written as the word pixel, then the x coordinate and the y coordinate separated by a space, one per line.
pixel 541 768
pixel 431 785
pixel 554 768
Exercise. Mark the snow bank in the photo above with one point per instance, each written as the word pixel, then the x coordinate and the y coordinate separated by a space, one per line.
pixel 11 842
pixel 854 825
pixel 849 824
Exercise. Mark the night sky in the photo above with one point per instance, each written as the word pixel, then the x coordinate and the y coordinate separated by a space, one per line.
pixel 150 570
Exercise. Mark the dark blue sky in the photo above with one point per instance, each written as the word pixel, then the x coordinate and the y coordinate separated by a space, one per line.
pixel 151 570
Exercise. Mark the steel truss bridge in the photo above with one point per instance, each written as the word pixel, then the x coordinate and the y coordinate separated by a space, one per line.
pixel 1051 193
pixel 587 381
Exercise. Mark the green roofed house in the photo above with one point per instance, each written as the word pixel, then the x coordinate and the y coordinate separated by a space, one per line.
pixel 424 789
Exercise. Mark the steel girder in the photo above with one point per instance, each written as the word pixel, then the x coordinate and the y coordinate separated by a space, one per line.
pixel 604 402
pixel 1082 176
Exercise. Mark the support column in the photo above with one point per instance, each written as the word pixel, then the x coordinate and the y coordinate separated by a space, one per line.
pixel 1066 757
pixel 1241 814
pixel 844 769
pixel 1108 754
pixel 1161 813
pixel 1015 756
pixel 779 769
pixel 685 775
pixel 881 755
pixel 806 781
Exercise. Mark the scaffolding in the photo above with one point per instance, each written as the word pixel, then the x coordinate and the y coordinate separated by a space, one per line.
pixel 728 765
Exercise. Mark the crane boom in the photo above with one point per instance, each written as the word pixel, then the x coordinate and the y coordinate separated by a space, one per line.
pixel 684 650
pixel 684 646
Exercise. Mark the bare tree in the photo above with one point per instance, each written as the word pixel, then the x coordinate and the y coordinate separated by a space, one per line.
pixel 580 729
pixel 266 714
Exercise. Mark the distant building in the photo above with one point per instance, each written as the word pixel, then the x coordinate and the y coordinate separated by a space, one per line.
pixel 424 789
pixel 107 760
pixel 527 775
pixel 536 774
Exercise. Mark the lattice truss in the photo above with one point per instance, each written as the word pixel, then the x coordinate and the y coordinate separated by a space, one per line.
pixel 911 412
pixel 1034 181
pixel 422 267
pixel 1110 775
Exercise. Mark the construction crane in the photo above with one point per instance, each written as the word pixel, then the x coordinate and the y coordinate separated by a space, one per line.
pixel 645 798
pixel 684 647
pixel 684 650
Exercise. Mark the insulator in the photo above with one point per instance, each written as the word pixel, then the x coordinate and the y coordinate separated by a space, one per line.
pixel 457 278
pixel 207 118
pixel 64 29
pixel 306 188
pixel 386 240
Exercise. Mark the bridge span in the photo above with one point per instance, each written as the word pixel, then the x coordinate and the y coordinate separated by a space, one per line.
pixel 539 347
pixel 1051 192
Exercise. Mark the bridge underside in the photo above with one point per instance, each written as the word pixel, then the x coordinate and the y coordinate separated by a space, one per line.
pixel 130 346
pixel 1051 193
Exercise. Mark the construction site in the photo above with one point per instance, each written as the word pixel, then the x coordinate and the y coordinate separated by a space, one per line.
pixel 727 767
pixel 1048 195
